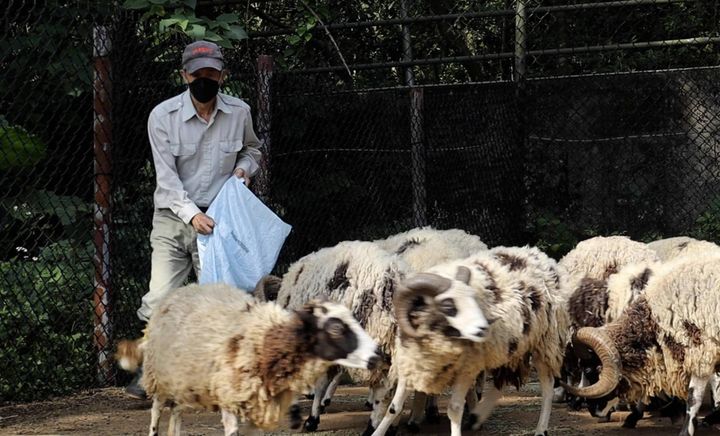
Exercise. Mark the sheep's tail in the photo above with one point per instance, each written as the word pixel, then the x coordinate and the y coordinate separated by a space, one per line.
pixel 129 355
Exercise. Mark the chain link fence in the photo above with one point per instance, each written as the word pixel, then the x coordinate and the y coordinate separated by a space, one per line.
pixel 541 122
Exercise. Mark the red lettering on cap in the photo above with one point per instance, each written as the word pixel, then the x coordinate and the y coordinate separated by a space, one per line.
pixel 203 50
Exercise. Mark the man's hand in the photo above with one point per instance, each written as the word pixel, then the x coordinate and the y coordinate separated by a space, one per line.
pixel 202 224
pixel 240 174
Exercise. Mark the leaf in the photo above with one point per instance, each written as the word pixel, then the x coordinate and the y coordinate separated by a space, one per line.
pixel 136 4
pixel 167 22
pixel 294 39
pixel 183 24
pixel 308 37
pixel 192 4
pixel 224 43
pixel 159 2
pixel 236 32
pixel 212 36
pixel 228 18
pixel 196 32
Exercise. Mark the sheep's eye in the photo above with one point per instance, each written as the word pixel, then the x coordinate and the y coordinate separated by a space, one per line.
pixel 335 328
pixel 447 307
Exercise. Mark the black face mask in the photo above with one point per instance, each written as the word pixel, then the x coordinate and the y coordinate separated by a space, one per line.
pixel 204 89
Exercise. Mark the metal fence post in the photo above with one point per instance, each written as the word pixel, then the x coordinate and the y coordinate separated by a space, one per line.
pixel 417 142
pixel 102 130
pixel 520 41
pixel 264 119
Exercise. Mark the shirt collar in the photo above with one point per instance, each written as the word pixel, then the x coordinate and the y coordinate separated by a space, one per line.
pixel 188 109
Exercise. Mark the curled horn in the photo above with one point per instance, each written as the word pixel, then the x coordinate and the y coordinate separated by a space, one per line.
pixel 598 340
pixel 463 275
pixel 423 284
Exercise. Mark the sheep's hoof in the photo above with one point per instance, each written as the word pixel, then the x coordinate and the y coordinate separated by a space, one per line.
pixel 369 430
pixel 471 422
pixel 545 433
pixel 324 405
pixel 310 396
pixel 432 415
pixel 712 418
pixel 575 403
pixel 392 431
pixel 311 424
pixel 322 409
pixel 413 427
pixel 295 417
pixel 368 405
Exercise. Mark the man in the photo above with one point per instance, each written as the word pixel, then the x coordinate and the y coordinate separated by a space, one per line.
pixel 199 139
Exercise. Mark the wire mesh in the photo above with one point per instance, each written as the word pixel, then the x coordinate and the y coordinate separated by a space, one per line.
pixel 564 121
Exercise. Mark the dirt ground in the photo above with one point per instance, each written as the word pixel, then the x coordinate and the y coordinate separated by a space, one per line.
pixel 109 412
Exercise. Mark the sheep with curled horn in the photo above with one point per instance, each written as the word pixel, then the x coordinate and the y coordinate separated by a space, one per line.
pixel 520 294
pixel 666 342
pixel 587 267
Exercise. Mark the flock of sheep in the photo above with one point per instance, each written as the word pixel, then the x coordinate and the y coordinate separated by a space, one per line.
pixel 614 321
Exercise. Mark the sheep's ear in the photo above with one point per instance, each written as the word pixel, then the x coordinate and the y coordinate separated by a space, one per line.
pixel 267 288
pixel 308 318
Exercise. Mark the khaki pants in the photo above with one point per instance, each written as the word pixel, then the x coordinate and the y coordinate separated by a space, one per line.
pixel 174 252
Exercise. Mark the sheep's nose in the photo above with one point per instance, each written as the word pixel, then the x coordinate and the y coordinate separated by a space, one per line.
pixel 373 362
pixel 481 332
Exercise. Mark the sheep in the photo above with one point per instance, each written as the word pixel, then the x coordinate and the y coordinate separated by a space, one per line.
pixel 422 248
pixel 681 246
pixel 361 276
pixel 357 266
pixel 602 256
pixel 519 297
pixel 425 247
pixel 588 267
pixel 214 346
pixel 666 341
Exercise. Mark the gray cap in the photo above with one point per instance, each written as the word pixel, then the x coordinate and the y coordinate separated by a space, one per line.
pixel 202 54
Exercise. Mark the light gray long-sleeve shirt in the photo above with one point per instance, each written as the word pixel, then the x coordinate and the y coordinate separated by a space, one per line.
pixel 194 158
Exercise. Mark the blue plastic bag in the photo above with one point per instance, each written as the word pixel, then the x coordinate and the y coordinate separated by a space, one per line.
pixel 246 240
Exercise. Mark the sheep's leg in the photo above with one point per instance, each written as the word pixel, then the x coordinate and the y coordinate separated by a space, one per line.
pixel 483 409
pixel 694 401
pixel 395 409
pixel 636 413
pixel 432 414
pixel 417 415
pixel 327 398
pixel 457 404
pixel 715 390
pixel 606 413
pixel 311 424
pixel 155 412
pixel 230 423
pixel 383 395
pixel 175 423
pixel 547 381
pixel 370 402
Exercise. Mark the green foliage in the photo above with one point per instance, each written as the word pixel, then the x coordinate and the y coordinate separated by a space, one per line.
pixel 46 327
pixel 707 225
pixel 180 17
pixel 18 148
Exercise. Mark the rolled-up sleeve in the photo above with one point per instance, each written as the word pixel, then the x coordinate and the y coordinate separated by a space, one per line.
pixel 250 155
pixel 170 188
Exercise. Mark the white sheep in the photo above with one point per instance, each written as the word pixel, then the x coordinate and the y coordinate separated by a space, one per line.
pixel 361 276
pixel 666 342
pixel 214 346
pixel 522 295
pixel 681 246
pixel 425 247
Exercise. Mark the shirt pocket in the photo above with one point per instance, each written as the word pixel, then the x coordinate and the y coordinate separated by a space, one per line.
pixel 232 146
pixel 183 149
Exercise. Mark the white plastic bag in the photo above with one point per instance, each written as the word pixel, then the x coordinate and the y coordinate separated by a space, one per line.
pixel 246 240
